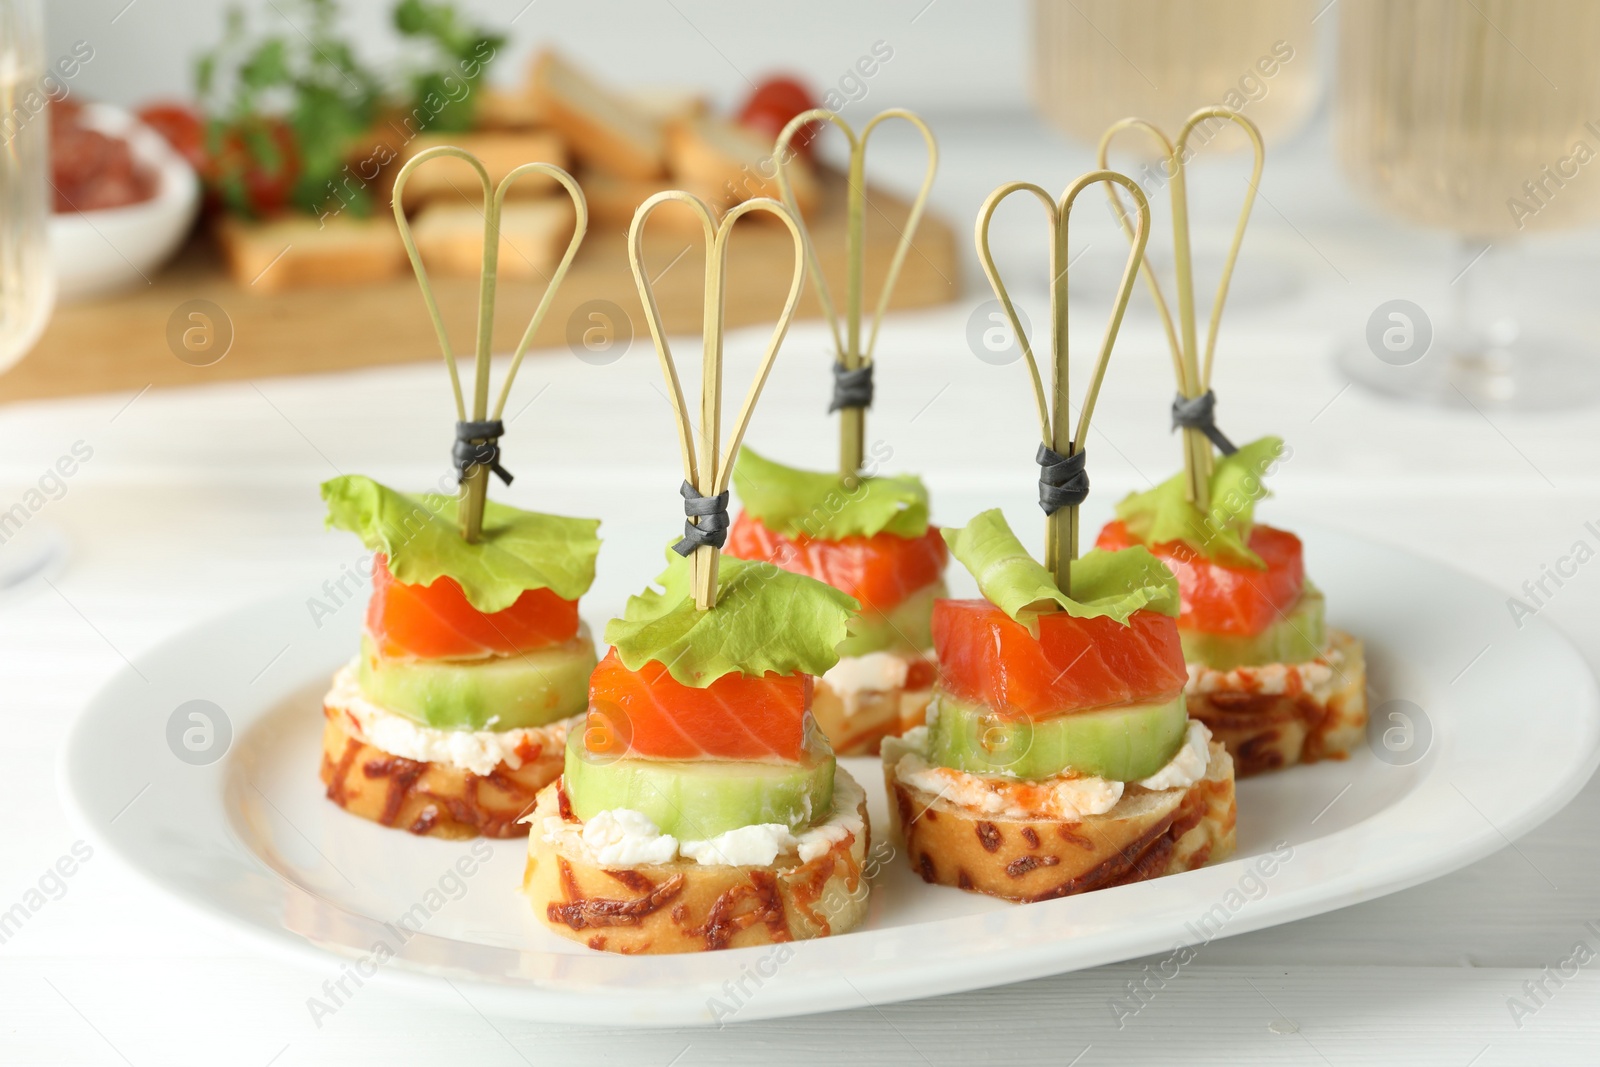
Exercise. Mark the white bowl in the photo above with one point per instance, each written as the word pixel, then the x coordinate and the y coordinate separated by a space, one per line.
pixel 99 252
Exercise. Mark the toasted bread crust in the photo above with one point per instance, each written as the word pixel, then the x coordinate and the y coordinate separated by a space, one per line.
pixel 300 250
pixel 684 906
pixel 533 235
pixel 1266 731
pixel 736 162
pixel 601 128
pixel 877 714
pixel 454 181
pixel 613 201
pixel 431 799
pixel 1148 834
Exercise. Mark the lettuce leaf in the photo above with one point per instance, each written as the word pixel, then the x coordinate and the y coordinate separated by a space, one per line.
pixel 520 550
pixel 1165 513
pixel 765 619
pixel 1105 584
pixel 827 506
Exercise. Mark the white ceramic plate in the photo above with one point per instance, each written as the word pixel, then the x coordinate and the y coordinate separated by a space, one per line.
pixel 1503 728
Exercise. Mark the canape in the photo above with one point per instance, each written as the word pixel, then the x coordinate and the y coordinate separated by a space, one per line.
pixel 700 807
pixel 1058 756
pixel 472 666
pixel 1267 675
pixel 453 715
pixel 862 532
pixel 870 538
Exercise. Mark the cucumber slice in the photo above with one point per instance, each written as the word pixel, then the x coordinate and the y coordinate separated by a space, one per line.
pixel 1120 744
pixel 1299 636
pixel 698 799
pixel 907 627
pixel 501 693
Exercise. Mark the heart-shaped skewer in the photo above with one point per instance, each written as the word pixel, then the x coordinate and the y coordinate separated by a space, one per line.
pixel 480 434
pixel 1064 483
pixel 1192 371
pixel 707 465
pixel 851 356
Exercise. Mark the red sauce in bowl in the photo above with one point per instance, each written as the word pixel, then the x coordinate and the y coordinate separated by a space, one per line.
pixel 91 170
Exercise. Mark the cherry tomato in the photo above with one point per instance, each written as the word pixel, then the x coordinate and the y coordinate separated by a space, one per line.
pixel 182 128
pixel 773 103
pixel 254 164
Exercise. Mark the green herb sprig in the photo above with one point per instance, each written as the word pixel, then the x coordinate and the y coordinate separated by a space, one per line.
pixel 457 56
pixel 285 111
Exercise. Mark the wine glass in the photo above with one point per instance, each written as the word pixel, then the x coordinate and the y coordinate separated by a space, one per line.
pixel 27 279
pixel 1098 61
pixel 1477 117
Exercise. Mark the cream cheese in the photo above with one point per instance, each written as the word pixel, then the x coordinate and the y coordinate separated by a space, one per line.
pixel 1317 678
pixel 1188 764
pixel 477 751
pixel 1066 797
pixel 744 846
pixel 875 672
pixel 626 838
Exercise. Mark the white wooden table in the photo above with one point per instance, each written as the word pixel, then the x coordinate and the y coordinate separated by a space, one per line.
pixel 197 501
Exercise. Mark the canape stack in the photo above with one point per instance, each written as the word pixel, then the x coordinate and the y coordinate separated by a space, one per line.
pixel 1077 726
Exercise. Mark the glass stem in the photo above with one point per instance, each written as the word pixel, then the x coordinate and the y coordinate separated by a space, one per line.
pixel 1466 334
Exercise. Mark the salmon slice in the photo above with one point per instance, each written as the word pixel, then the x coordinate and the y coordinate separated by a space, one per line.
pixel 1074 664
pixel 437 622
pixel 1220 599
pixel 881 571
pixel 649 713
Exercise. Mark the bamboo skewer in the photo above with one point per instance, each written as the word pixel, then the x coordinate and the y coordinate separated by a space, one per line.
pixel 707 465
pixel 1054 407
pixel 474 489
pixel 1193 372
pixel 850 353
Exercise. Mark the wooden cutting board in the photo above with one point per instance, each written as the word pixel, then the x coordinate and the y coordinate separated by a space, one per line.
pixel 121 343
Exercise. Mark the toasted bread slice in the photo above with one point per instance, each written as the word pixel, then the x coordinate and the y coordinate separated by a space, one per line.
pixel 736 161
pixel 668 104
pixel 1264 731
pixel 515 108
pixel 501 152
pixel 1148 834
pixel 683 906
pixel 613 201
pixel 605 129
pixel 533 236
pixel 856 723
pixel 435 798
pixel 295 251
